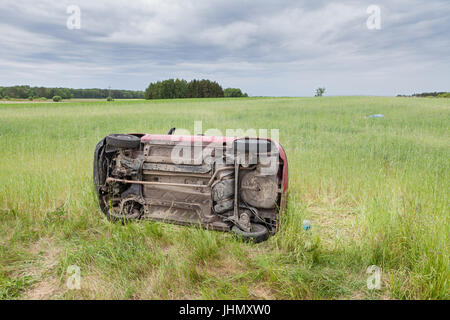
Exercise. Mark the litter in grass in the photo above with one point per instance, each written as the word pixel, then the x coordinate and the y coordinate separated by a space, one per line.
pixel 306 225
pixel 376 116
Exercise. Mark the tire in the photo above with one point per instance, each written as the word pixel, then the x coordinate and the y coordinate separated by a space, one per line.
pixel 98 173
pixel 125 141
pixel 259 233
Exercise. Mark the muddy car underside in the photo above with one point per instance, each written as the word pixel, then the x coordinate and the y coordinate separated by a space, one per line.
pixel 218 183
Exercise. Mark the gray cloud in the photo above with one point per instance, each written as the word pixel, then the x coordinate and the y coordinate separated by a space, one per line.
pixel 266 47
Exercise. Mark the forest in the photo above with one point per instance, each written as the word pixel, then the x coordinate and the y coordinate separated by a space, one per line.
pixel 180 88
pixel 27 92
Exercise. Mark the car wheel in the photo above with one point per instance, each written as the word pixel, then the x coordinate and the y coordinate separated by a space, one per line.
pixel 258 233
pixel 125 141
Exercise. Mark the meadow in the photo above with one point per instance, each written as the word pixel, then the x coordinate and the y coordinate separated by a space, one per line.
pixel 376 191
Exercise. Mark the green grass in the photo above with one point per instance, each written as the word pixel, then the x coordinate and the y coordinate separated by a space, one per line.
pixel 376 192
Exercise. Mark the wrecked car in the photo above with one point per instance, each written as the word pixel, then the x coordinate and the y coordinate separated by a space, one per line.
pixel 220 183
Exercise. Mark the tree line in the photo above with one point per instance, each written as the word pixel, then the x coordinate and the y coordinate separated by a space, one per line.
pixel 234 93
pixel 180 88
pixel 428 94
pixel 27 92
pixel 166 89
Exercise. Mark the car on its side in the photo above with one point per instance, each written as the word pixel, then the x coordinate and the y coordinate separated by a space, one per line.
pixel 220 183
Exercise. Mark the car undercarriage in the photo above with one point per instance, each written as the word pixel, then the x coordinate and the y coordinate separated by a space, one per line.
pixel 219 183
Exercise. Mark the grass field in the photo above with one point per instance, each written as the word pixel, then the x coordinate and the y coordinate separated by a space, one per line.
pixel 376 191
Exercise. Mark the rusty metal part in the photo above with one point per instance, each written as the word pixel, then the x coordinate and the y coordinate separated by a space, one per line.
pixel 173 174
pixel 108 180
pixel 129 208
pixel 244 221
pixel 205 168
pixel 224 206
pixel 217 172
pixel 223 189
pixel 224 169
pixel 236 192
pixel 258 190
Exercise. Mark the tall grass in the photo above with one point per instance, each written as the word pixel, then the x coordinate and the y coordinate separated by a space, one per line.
pixel 376 192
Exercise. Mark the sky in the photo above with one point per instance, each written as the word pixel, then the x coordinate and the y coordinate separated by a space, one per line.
pixel 266 48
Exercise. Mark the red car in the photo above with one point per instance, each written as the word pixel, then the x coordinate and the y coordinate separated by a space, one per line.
pixel 221 183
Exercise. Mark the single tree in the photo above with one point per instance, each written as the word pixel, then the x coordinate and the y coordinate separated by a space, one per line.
pixel 320 92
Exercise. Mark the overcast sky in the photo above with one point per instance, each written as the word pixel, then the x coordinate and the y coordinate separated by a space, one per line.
pixel 269 48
